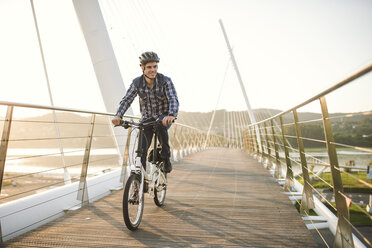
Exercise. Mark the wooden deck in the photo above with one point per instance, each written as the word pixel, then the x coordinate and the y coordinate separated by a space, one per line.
pixel 215 198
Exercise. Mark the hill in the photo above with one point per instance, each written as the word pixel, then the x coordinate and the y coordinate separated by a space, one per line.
pixel 25 132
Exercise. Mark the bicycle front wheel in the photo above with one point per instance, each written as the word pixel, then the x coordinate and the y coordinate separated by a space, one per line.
pixel 133 203
pixel 160 189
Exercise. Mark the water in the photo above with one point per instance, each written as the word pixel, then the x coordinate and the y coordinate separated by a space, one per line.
pixel 361 159
pixel 17 164
pixel 49 163
pixel 15 152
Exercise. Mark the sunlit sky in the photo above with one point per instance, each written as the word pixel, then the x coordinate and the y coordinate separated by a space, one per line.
pixel 287 51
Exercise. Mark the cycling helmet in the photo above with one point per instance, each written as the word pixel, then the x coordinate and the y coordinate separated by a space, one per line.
pixel 147 57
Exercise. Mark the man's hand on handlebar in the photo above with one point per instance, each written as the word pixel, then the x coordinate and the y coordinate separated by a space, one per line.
pixel 116 120
pixel 168 120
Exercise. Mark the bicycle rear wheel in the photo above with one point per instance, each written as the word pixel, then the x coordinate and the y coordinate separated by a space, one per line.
pixel 160 190
pixel 132 202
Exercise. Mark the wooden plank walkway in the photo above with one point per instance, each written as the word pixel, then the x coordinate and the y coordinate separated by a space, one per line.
pixel 215 198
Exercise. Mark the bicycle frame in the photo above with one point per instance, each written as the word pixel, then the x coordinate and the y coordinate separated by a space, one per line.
pixel 133 198
pixel 139 169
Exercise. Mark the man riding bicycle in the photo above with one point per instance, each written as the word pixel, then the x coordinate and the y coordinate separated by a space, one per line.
pixel 158 100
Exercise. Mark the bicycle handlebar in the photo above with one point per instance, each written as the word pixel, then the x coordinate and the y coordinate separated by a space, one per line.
pixel 127 124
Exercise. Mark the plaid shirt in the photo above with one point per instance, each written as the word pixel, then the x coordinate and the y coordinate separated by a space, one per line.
pixel 161 99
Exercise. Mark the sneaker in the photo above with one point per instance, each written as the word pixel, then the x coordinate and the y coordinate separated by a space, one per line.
pixel 167 166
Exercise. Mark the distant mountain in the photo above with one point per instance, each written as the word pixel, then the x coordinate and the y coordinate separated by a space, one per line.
pixel 40 131
pixel 74 128
pixel 222 117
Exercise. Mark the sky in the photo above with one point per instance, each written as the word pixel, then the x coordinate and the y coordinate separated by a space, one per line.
pixel 287 51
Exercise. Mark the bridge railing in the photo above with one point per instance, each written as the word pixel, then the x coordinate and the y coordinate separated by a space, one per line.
pixel 55 159
pixel 306 150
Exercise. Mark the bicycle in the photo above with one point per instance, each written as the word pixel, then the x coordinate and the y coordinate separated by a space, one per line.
pixel 154 177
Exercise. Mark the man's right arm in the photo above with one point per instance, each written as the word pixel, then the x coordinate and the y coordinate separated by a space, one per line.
pixel 125 104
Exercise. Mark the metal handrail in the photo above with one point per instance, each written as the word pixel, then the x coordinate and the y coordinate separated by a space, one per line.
pixel 343 232
pixel 187 139
pixel 34 106
pixel 43 107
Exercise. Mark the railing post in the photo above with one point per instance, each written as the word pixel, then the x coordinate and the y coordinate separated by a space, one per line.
pixel 124 166
pixel 307 201
pixel 174 143
pixel 180 144
pixel 4 149
pixel 199 144
pixel 269 163
pixel 246 148
pixel 187 140
pixel 251 140
pixel 5 141
pixel 263 155
pixel 256 140
pixel 289 183
pixel 83 190
pixel 197 140
pixel 247 140
pixel 277 159
pixel 343 237
pixel 193 141
pixel 200 141
pixel 203 140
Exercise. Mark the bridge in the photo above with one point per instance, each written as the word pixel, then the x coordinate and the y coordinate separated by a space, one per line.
pixel 229 189
pixel 216 198
pixel 240 178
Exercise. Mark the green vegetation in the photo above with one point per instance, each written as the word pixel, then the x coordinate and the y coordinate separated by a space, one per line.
pixel 347 181
pixel 353 132
pixel 311 212
pixel 357 217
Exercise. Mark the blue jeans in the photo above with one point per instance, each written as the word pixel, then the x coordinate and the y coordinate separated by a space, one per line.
pixel 162 132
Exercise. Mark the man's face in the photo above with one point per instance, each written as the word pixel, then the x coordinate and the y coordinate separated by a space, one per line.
pixel 150 69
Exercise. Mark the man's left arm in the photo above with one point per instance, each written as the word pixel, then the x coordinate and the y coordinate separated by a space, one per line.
pixel 171 94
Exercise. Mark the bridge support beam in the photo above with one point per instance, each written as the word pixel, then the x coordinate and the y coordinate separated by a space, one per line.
pixel 250 111
pixel 103 58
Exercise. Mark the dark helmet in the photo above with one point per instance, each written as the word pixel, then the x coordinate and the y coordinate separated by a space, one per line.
pixel 147 57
